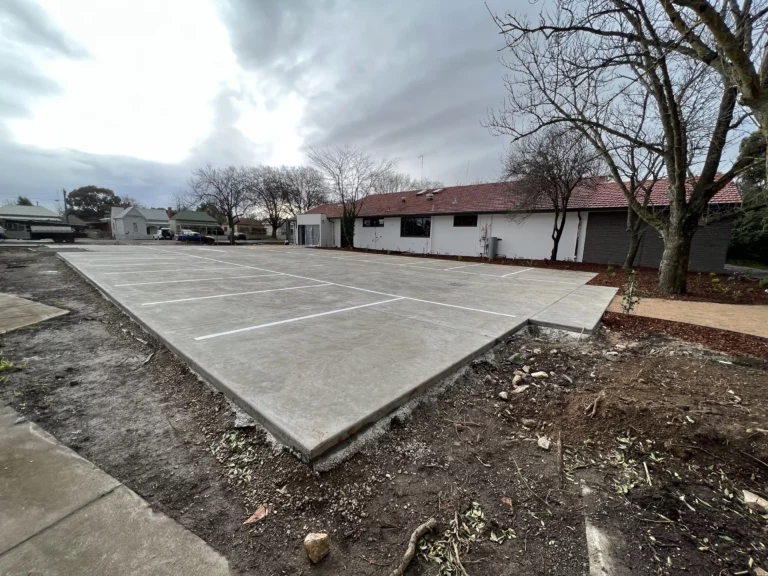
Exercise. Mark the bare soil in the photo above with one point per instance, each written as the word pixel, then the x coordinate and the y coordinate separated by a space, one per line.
pixel 696 419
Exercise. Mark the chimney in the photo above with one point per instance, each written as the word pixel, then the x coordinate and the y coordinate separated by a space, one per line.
pixel 430 196
pixel 402 199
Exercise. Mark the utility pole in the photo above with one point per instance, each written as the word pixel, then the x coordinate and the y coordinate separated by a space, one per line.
pixel 66 217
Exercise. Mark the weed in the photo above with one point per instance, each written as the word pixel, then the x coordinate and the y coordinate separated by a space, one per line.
pixel 6 365
pixel 631 297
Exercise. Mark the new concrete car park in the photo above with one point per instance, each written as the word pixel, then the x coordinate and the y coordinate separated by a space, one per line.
pixel 317 344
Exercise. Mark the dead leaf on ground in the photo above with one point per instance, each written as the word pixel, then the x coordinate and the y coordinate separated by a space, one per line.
pixel 260 514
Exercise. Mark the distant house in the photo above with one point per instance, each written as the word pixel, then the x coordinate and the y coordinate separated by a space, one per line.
pixel 252 228
pixel 197 221
pixel 17 219
pixel 76 222
pixel 133 223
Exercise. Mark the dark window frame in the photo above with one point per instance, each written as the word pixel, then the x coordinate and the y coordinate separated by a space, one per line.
pixel 415 226
pixel 462 220
pixel 373 222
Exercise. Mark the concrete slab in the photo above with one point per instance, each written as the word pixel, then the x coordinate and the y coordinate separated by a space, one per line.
pixel 579 310
pixel 119 535
pixel 41 481
pixel 317 344
pixel 18 312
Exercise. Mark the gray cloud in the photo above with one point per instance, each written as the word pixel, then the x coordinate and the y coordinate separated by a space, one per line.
pixel 398 78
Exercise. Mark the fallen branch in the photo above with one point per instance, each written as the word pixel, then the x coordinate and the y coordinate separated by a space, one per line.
pixel 560 479
pixel 594 404
pixel 748 455
pixel 428 526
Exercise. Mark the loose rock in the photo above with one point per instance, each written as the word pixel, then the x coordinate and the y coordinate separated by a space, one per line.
pixel 540 375
pixel 517 379
pixel 503 395
pixel 529 422
pixel 526 369
pixel 543 442
pixel 520 389
pixel 317 546
pixel 755 502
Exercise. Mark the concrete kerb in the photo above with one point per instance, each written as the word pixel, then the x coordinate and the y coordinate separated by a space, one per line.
pixel 338 443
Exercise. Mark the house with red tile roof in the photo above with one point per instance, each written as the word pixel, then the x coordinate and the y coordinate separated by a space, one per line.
pixel 463 220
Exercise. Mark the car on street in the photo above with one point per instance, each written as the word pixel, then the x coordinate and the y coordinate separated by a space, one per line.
pixel 196 237
pixel 163 234
pixel 240 236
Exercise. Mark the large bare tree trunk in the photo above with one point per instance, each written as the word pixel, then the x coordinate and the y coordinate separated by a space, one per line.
pixel 673 272
pixel 557 233
pixel 231 224
pixel 635 229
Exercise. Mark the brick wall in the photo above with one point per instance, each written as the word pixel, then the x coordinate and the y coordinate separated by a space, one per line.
pixel 607 242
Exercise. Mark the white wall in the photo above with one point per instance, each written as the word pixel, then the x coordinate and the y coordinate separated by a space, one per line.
pixel 123 228
pixel 388 238
pixel 532 237
pixel 460 240
pixel 528 238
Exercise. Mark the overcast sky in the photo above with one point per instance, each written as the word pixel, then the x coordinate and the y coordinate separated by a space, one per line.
pixel 132 94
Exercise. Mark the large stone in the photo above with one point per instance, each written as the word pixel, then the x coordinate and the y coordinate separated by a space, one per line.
pixel 317 546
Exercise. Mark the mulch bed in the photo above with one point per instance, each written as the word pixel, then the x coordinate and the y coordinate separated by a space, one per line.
pixel 702 287
pixel 734 343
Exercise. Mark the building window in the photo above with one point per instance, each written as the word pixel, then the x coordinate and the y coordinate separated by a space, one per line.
pixel 415 227
pixel 465 220
pixel 135 228
pixel 373 222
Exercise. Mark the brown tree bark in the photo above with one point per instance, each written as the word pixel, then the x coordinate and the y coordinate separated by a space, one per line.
pixel 673 271
pixel 557 233
pixel 636 231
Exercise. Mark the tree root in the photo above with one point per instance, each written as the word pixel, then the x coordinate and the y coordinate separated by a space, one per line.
pixel 428 526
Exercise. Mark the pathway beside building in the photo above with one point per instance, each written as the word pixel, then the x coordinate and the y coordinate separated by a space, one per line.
pixel 63 516
pixel 734 317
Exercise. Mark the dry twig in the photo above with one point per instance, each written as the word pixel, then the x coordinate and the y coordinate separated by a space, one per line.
pixel 428 526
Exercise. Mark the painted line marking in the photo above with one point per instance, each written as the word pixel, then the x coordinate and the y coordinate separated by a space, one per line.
pixel 144 271
pixel 212 250
pixel 518 272
pixel 308 317
pixel 199 279
pixel 236 294
pixel 465 266
pixel 366 290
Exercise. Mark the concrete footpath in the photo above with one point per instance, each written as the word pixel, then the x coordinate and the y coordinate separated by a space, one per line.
pixel 62 516
pixel 747 319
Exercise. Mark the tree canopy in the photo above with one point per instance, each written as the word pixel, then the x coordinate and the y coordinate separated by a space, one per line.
pixel 91 202
pixel 23 201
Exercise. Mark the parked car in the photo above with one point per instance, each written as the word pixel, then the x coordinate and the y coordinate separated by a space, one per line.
pixel 163 234
pixel 2 234
pixel 240 236
pixel 190 236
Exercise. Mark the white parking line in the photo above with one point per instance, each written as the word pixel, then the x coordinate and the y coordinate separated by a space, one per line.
pixel 465 266
pixel 144 270
pixel 212 250
pixel 364 289
pixel 236 294
pixel 199 279
pixel 518 272
pixel 296 319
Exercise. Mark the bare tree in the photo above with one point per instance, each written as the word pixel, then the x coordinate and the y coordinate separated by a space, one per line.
pixel 593 65
pixel 224 189
pixel 393 181
pixel 351 174
pixel 546 168
pixel 268 192
pixel 305 188
pixel 126 201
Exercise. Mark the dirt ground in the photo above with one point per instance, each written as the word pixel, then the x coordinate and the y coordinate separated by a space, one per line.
pixel 734 317
pixel 697 421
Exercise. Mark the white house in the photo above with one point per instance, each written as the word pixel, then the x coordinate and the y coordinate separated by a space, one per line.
pixel 481 220
pixel 133 223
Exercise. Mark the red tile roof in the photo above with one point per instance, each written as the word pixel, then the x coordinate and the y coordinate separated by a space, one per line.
pixel 500 197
